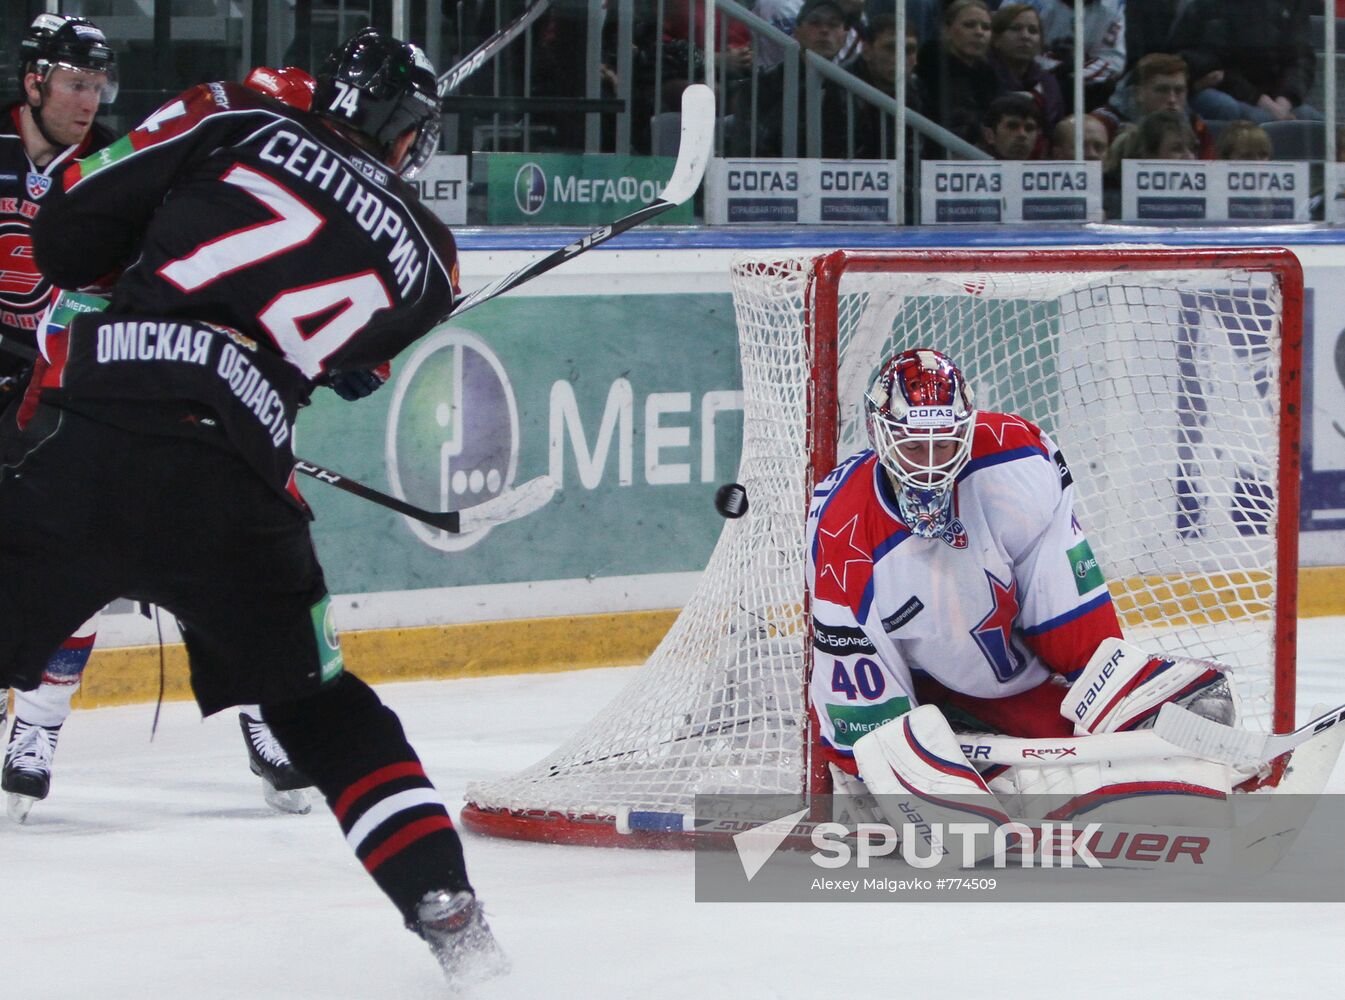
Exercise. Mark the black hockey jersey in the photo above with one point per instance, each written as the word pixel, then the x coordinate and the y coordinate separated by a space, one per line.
pixel 225 207
pixel 24 291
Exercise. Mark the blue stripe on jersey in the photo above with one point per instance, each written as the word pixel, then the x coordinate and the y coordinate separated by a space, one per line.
pixel 865 601
pixel 986 461
pixel 884 547
pixel 1069 616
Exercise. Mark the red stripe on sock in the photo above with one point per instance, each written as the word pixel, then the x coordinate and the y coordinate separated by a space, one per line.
pixel 405 837
pixel 406 769
pixel 79 641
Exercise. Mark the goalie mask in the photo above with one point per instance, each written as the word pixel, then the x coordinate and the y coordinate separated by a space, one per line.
pixel 920 416
pixel 381 88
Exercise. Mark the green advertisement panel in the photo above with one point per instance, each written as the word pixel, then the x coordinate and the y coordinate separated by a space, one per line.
pixel 631 402
pixel 549 189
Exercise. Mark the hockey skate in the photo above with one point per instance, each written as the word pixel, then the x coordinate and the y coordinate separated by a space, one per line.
pixel 284 786
pixel 455 929
pixel 27 773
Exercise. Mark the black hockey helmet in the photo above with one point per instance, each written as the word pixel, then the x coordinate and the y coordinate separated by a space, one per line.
pixel 381 87
pixel 66 42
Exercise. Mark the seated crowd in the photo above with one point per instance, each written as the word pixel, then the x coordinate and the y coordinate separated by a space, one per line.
pixel 1000 75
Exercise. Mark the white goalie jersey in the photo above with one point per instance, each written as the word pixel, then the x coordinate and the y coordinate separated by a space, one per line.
pixel 1010 594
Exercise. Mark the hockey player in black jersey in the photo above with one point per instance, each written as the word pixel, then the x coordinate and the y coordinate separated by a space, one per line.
pixel 251 251
pixel 67 71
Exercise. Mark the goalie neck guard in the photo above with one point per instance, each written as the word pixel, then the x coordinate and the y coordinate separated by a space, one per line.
pixel 382 88
pixel 920 416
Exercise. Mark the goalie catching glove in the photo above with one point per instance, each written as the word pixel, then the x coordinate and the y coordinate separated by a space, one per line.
pixel 1122 688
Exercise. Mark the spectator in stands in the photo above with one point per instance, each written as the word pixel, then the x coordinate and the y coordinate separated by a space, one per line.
pixel 784 15
pixel 1013 128
pixel 1243 140
pixel 1158 83
pixel 1015 44
pixel 1095 139
pixel 759 130
pixel 1104 46
pixel 1163 135
pixel 924 17
pixel 684 22
pixel 958 79
pixel 876 65
pixel 1263 50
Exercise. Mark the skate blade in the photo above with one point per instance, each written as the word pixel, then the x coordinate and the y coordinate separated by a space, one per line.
pixel 19 806
pixel 294 802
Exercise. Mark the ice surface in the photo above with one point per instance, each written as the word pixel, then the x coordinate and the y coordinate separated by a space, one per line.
pixel 156 871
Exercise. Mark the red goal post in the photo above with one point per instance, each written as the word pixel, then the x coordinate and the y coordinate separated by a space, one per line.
pixel 1169 376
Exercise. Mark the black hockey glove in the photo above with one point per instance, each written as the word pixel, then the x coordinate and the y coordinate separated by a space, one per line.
pixel 353 385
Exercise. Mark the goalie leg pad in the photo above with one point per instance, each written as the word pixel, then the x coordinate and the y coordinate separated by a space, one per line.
pixel 1122 688
pixel 915 766
pixel 1179 791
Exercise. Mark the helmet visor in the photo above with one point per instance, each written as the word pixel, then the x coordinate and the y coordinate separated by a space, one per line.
pixel 76 81
pixel 424 146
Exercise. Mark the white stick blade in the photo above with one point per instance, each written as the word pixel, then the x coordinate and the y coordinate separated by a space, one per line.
pixel 509 505
pixel 695 146
pixel 1210 739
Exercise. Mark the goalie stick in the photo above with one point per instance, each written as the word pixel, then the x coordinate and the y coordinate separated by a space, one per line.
pixel 1183 728
pixel 507 506
pixel 693 153
pixel 451 79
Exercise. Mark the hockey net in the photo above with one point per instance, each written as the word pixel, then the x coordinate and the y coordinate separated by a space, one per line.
pixel 1169 378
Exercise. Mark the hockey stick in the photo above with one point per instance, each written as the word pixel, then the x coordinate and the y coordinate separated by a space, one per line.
pixel 1213 741
pixel 507 506
pixel 451 79
pixel 1012 750
pixel 693 153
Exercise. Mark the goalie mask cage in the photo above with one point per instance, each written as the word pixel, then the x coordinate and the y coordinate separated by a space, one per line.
pixel 1170 380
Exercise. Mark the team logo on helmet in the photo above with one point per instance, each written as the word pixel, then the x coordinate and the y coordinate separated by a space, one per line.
pixel 530 189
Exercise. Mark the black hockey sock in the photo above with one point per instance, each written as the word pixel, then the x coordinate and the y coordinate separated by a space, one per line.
pixel 353 748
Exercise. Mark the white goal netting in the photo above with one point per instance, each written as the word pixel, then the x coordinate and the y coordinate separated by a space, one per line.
pixel 1162 388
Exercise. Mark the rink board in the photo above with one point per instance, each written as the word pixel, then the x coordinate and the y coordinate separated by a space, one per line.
pixel 618 375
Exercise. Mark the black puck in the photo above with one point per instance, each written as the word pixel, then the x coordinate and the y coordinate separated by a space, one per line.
pixel 731 500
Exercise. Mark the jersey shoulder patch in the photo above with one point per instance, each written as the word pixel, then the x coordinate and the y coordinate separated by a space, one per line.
pixel 1002 437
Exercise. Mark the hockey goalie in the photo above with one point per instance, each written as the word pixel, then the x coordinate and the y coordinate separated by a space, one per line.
pixel 953 591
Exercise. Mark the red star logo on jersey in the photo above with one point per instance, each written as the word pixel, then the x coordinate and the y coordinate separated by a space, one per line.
pixel 839 551
pixel 997 429
pixel 994 632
